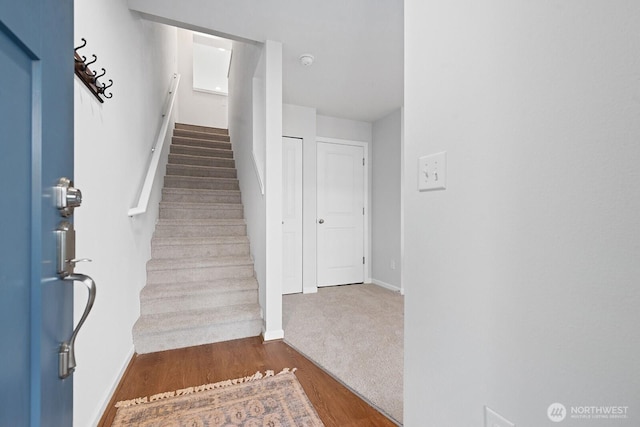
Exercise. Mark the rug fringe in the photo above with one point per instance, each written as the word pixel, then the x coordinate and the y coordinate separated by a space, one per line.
pixel 189 390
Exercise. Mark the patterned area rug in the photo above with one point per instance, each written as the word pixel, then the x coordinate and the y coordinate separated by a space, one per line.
pixel 257 401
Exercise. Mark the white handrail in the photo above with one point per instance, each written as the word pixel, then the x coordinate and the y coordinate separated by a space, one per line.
pixel 145 193
pixel 258 173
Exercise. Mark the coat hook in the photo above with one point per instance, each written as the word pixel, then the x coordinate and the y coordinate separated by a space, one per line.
pixel 96 77
pixel 91 74
pixel 84 43
pixel 86 64
pixel 105 87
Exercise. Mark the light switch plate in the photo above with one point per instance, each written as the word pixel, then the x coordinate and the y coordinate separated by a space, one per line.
pixel 493 419
pixel 432 172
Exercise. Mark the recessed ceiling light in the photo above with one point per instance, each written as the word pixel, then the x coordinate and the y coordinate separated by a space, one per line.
pixel 218 88
pixel 222 49
pixel 306 59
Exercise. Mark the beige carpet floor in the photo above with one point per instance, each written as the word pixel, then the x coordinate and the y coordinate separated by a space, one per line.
pixel 355 333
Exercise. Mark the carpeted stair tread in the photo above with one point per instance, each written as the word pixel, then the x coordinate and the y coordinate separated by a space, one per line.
pixel 194 263
pixel 185 159
pixel 199 274
pixel 188 195
pixel 170 210
pixel 172 290
pixel 200 151
pixel 181 241
pixel 200 227
pixel 164 331
pixel 226 284
pixel 194 134
pixel 192 301
pixel 188 296
pixel 199 246
pixel 199 335
pixel 155 323
pixel 199 128
pixel 201 171
pixel 196 205
pixel 179 181
pixel 221 143
pixel 200 222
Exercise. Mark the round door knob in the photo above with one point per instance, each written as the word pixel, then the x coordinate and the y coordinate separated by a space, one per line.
pixel 321 221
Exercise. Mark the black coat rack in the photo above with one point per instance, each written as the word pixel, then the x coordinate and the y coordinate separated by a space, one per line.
pixel 90 78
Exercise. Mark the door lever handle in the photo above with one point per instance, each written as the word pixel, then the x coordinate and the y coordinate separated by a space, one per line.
pixel 66 354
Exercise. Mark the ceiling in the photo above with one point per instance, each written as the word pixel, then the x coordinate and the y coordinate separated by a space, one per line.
pixel 357 45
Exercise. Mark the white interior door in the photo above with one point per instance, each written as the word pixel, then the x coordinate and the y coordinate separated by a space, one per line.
pixel 291 215
pixel 340 219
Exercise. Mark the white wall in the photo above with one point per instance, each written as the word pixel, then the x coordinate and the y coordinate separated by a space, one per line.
pixel 262 212
pixel 521 278
pixel 241 109
pixel 335 127
pixel 273 85
pixel 385 201
pixel 300 122
pixel 259 101
pixel 196 107
pixel 112 149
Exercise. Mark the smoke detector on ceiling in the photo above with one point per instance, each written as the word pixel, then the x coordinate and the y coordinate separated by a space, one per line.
pixel 306 59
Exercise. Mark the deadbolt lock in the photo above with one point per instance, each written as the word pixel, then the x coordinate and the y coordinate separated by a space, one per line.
pixel 67 197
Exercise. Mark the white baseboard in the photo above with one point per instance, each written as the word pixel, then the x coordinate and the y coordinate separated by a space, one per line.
pixel 272 335
pixel 385 285
pixel 112 390
pixel 310 290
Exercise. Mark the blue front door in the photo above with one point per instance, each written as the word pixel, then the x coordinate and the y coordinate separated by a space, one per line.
pixel 36 148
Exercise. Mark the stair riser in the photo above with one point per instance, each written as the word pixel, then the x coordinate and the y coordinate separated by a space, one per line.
pixel 157 277
pixel 179 159
pixel 199 171
pixel 196 128
pixel 200 135
pixel 200 230
pixel 197 302
pixel 199 251
pixel 201 183
pixel 221 144
pixel 199 151
pixel 198 336
pixel 177 213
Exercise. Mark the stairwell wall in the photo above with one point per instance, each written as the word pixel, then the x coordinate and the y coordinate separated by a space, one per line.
pixel 196 107
pixel 243 64
pixel 112 150
pixel 262 211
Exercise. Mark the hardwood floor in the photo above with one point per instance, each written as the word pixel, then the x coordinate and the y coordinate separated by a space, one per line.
pixel 175 369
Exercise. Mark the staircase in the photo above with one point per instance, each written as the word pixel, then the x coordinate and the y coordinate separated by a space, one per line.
pixel 200 280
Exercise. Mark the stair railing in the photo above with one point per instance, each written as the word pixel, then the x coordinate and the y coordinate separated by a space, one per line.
pixel 156 150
